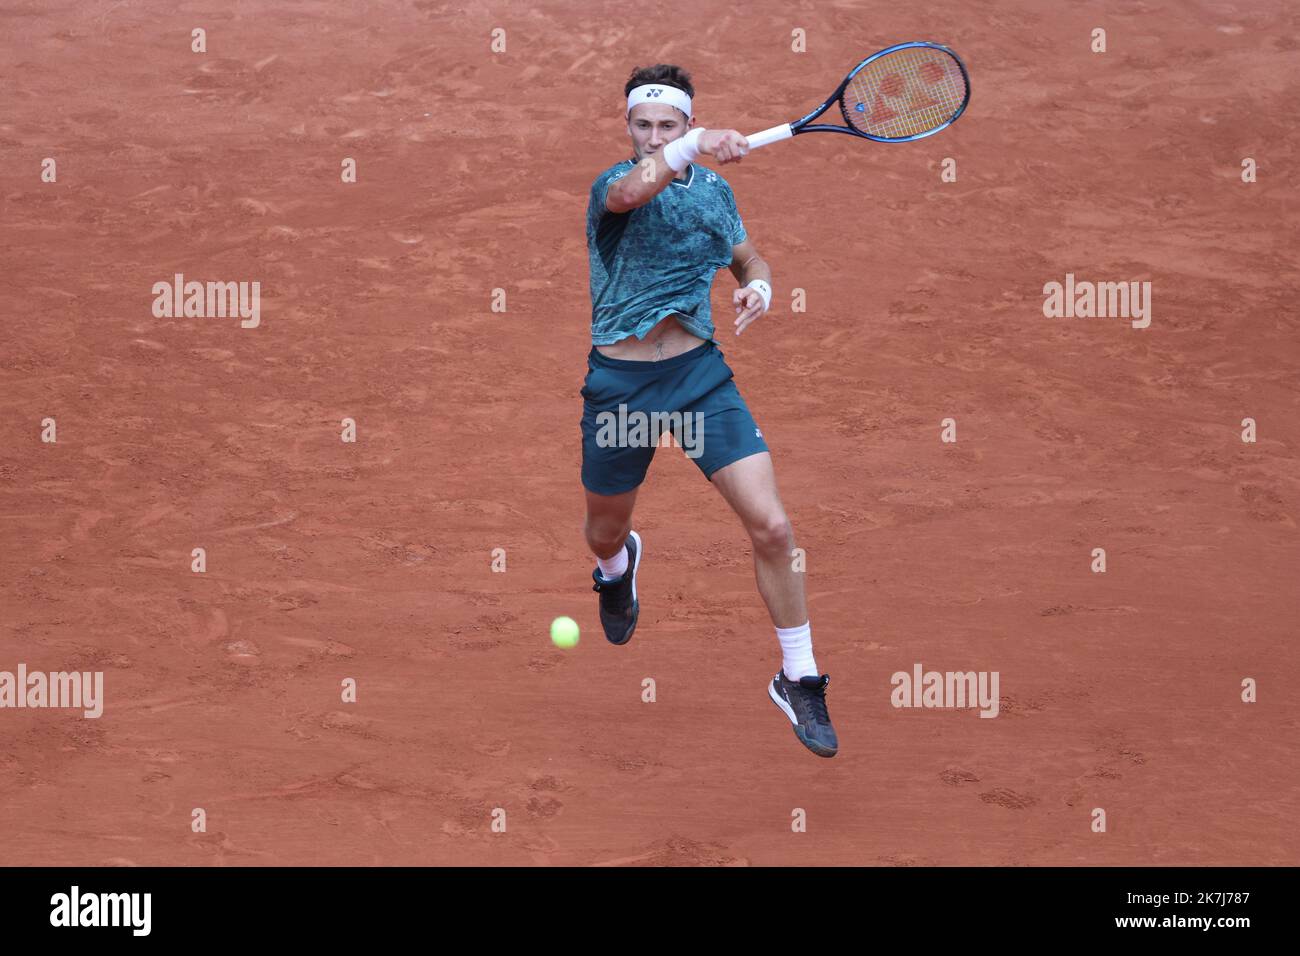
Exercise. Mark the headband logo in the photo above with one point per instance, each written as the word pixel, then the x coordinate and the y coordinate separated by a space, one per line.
pixel 654 92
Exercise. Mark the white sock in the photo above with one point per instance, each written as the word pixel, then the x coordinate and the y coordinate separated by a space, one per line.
pixel 796 651
pixel 611 569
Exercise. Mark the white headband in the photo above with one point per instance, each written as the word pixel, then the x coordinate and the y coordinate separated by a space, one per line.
pixel 669 95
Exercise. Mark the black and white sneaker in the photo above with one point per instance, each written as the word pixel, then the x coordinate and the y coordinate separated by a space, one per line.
pixel 618 604
pixel 804 702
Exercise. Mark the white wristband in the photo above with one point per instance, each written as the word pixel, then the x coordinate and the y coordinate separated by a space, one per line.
pixel 680 153
pixel 764 290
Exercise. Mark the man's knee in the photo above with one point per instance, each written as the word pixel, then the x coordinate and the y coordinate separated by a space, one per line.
pixel 772 534
pixel 606 532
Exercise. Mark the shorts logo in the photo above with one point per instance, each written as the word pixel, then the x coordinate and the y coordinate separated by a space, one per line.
pixel 757 433
pixel 641 430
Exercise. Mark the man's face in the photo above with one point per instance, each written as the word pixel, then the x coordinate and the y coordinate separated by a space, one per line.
pixel 653 126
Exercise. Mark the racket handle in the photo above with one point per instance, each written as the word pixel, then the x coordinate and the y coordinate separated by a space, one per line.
pixel 770 136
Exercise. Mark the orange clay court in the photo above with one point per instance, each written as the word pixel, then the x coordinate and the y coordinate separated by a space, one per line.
pixel 373 560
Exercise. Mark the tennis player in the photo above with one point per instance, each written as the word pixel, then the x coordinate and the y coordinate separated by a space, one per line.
pixel 659 227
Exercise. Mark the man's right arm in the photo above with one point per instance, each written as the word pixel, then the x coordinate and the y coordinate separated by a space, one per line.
pixel 639 185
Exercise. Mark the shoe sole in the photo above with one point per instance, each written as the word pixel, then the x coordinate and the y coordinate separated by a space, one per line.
pixel 812 745
pixel 636 608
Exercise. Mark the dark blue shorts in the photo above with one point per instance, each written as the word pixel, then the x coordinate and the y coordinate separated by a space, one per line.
pixel 627 407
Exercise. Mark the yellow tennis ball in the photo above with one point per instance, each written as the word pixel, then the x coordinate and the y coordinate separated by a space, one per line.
pixel 564 632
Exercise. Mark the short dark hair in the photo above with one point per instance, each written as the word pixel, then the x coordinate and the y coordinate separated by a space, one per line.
pixel 665 74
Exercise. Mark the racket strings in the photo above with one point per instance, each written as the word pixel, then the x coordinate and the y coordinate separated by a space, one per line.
pixel 904 93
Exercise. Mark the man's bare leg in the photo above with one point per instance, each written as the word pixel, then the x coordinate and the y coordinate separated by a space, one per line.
pixel 749 486
pixel 609 519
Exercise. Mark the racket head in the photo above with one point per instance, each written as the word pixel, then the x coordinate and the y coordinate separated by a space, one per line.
pixel 905 92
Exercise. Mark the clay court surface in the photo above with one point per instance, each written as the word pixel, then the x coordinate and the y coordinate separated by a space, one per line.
pixel 372 560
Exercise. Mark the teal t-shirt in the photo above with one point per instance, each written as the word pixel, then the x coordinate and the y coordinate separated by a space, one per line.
pixel 660 258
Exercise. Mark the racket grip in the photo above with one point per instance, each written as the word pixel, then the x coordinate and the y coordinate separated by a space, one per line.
pixel 772 135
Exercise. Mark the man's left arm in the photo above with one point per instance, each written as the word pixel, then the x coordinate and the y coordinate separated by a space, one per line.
pixel 755 278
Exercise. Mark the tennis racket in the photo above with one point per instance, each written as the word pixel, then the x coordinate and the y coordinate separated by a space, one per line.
pixel 905 92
